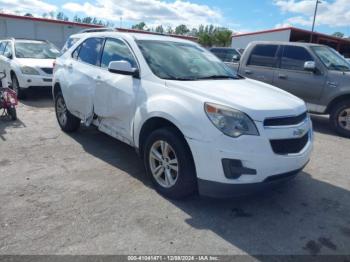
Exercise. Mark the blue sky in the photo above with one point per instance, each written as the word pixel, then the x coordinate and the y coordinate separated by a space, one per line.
pixel 238 15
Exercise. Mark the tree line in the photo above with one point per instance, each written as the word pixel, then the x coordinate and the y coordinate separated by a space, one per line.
pixel 208 35
pixel 86 20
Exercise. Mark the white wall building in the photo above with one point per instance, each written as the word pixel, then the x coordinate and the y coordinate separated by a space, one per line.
pixel 55 31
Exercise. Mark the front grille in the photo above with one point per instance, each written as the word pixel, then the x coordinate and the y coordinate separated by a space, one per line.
pixel 285 121
pixel 47 70
pixel 289 146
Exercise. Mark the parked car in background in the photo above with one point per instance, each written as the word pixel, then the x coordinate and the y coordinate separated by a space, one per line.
pixel 315 73
pixel 27 63
pixel 196 124
pixel 229 56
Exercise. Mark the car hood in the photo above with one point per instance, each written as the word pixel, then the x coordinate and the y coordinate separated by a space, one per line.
pixel 38 63
pixel 257 99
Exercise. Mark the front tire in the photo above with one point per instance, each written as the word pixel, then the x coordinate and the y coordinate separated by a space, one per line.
pixel 68 122
pixel 168 161
pixel 340 118
pixel 15 87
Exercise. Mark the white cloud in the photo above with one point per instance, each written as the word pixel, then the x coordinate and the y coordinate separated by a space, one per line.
pixel 26 6
pixel 331 13
pixel 152 12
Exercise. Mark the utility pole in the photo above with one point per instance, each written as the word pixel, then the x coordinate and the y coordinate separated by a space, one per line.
pixel 313 23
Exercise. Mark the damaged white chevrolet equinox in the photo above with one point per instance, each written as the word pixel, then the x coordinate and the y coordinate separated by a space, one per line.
pixel 197 125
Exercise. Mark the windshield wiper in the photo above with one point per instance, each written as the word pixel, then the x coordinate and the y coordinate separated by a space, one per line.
pixel 179 78
pixel 216 77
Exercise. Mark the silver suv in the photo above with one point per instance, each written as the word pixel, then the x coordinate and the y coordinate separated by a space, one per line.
pixel 316 73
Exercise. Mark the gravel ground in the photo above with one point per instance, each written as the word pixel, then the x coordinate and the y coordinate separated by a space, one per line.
pixel 87 193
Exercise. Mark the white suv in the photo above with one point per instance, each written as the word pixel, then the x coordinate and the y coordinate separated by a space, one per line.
pixel 27 63
pixel 195 123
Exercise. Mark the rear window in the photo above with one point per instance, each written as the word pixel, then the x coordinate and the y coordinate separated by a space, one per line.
pixel 294 58
pixel 264 55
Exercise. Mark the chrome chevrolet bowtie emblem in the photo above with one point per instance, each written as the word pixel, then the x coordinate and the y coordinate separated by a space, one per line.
pixel 299 132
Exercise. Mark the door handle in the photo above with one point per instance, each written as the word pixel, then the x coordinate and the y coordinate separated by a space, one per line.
pixel 248 72
pixel 282 76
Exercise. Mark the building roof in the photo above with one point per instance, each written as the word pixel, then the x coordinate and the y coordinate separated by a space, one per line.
pixel 69 23
pixel 294 29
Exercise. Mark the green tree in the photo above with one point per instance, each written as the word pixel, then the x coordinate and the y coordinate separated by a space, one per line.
pixel 222 37
pixel 77 19
pixel 60 16
pixel 28 14
pixel 139 26
pixel 87 20
pixel 160 29
pixel 338 34
pixel 181 30
pixel 169 30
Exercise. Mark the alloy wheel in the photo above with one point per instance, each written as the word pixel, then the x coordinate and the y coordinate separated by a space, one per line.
pixel 344 119
pixel 61 111
pixel 164 164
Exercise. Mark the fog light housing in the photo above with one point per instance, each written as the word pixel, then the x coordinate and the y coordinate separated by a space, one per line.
pixel 234 169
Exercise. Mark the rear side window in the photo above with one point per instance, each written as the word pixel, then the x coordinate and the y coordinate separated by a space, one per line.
pixel 264 55
pixel 116 50
pixel 2 47
pixel 8 50
pixel 294 58
pixel 70 42
pixel 90 51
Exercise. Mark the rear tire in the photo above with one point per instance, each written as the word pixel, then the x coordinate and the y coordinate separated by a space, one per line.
pixel 15 87
pixel 12 113
pixel 68 122
pixel 172 170
pixel 340 118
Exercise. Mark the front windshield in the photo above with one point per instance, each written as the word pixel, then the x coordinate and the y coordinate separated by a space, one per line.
pixel 39 50
pixel 182 61
pixel 331 59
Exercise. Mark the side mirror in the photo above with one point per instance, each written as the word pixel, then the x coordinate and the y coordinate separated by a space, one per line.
pixel 310 66
pixel 123 68
pixel 236 58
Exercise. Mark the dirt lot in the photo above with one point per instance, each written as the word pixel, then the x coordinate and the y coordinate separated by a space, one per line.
pixel 87 193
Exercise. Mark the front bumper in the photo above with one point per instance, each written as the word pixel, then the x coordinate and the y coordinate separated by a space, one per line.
pixel 255 153
pixel 223 190
pixel 26 81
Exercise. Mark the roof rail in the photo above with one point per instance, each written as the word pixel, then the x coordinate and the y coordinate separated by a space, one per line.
pixel 95 30
pixel 23 38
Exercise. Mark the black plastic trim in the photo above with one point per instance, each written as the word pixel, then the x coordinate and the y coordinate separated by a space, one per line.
pixel 224 190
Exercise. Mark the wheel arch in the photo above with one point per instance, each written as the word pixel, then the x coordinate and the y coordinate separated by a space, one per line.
pixel 336 100
pixel 151 124
pixel 56 88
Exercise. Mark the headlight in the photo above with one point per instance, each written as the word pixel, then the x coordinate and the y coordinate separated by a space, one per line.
pixel 29 70
pixel 231 122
